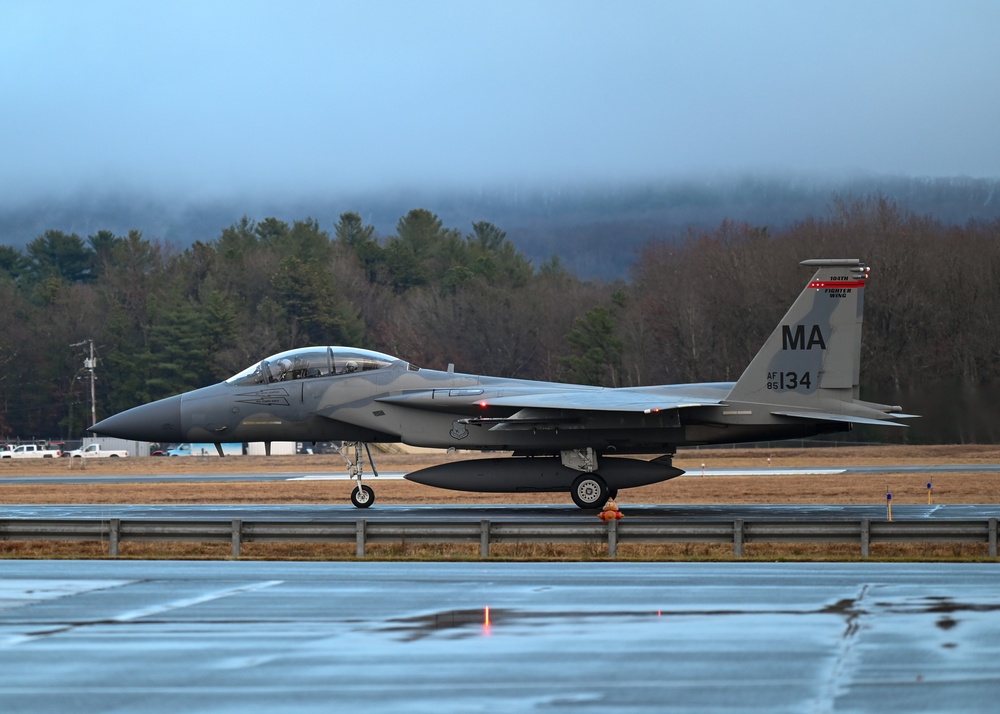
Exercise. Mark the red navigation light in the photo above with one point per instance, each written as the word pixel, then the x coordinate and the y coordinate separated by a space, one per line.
pixel 483 403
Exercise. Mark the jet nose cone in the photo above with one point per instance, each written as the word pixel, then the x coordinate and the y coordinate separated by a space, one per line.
pixel 156 421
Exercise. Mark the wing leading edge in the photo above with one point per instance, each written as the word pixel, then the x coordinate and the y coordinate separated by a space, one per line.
pixel 583 400
pixel 607 401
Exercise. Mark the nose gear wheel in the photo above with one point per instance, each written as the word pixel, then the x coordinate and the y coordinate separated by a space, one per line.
pixel 362 496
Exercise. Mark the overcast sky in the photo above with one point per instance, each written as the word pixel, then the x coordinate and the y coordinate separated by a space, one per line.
pixel 222 98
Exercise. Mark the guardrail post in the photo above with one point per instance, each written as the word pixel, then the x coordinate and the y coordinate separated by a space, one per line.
pixel 484 539
pixel 237 536
pixel 613 538
pixel 114 531
pixel 865 537
pixel 993 537
pixel 360 538
pixel 738 538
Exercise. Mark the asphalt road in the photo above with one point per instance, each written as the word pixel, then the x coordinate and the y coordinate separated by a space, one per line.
pixel 127 636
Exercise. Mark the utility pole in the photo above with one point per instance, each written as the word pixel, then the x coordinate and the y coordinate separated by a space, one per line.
pixel 90 365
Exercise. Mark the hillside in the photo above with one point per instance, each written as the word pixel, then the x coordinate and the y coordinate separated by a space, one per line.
pixel 596 231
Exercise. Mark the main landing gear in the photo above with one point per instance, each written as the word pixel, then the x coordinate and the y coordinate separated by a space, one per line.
pixel 362 496
pixel 589 490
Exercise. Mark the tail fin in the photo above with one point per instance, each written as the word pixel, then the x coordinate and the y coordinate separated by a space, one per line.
pixel 809 367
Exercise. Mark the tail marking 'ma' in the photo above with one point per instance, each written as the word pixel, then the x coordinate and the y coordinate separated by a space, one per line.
pixel 796 340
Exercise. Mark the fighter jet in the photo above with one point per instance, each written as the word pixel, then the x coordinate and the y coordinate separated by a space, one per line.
pixel 562 437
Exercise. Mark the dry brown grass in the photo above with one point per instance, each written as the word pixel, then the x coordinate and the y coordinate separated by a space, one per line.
pixel 675 552
pixel 835 489
pixel 690 460
pixel 690 489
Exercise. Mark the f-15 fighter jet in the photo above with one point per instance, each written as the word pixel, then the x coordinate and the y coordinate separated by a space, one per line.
pixel 562 437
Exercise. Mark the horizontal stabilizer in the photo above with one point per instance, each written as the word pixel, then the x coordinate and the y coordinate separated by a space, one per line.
pixel 823 416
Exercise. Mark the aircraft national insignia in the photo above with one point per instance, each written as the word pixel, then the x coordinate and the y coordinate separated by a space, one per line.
pixel 266 397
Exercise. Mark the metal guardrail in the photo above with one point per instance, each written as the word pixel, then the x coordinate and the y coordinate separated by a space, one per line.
pixel 361 532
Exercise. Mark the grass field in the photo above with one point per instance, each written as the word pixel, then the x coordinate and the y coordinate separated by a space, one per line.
pixel 691 488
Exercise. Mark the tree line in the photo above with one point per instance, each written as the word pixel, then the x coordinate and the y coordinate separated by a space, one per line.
pixel 696 308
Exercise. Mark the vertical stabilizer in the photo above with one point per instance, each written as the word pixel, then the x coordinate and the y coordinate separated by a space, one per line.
pixel 813 357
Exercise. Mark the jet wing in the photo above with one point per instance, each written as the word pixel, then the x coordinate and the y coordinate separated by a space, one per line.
pixel 563 400
pixel 617 400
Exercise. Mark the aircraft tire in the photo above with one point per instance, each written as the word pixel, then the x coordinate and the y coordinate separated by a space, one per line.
pixel 362 497
pixel 589 491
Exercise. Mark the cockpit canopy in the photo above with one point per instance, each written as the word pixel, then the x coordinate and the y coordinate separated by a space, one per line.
pixel 309 362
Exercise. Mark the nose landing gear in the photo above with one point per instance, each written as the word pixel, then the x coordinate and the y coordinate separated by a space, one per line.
pixel 362 496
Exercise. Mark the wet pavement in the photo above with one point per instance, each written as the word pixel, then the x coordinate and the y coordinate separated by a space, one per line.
pixel 108 636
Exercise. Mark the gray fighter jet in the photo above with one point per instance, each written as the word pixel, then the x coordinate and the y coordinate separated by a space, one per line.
pixel 563 437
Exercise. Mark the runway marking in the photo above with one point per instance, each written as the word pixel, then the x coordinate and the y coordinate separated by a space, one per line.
pixel 843 665
pixel 388 476
pixel 21 591
pixel 396 475
pixel 138 614
pixel 764 472
pixel 189 602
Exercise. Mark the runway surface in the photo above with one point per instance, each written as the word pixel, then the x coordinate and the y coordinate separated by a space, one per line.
pixel 95 476
pixel 126 636
pixel 338 512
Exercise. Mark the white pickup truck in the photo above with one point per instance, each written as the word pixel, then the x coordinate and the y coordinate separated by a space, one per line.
pixel 30 451
pixel 95 451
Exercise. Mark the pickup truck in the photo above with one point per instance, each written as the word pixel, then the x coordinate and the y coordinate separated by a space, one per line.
pixel 94 451
pixel 233 449
pixel 30 451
